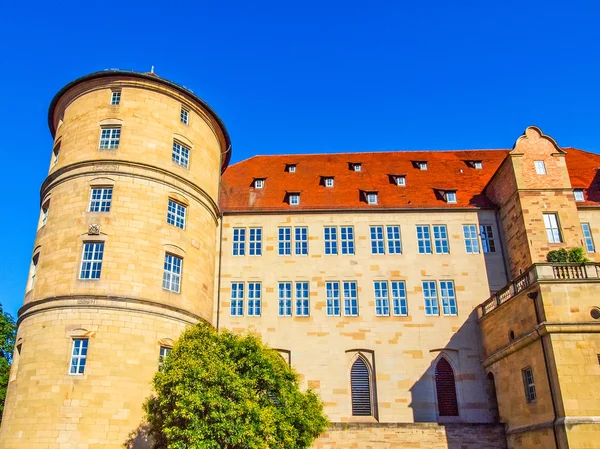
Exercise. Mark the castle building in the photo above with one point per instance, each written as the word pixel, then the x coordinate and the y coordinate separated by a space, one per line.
pixel 409 289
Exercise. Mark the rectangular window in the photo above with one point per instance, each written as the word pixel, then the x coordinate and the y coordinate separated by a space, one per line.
pixel 255 242
pixel 100 199
pixel 424 239
pixel 176 214
pixel 551 223
pixel 587 237
pixel 333 298
pixel 285 299
pixel 357 167
pixel 487 239
pixel 294 199
pixel 302 299
pixel 162 356
pixel 181 154
pixel 45 210
pixel 471 240
pixel 115 97
pixel 259 183
pixel 451 197
pixel 78 356
pixel 394 242
pixel 430 298
pixel 253 298
pixel 579 195
pixel 237 299
pixel 422 165
pixel 372 198
pixel 529 384
pixel 350 299
pixel 330 239
pixel 33 270
pixel 448 297
pixel 328 182
pixel 382 302
pixel 239 241
pixel 91 260
pixel 440 239
pixel 540 167
pixel 184 115
pixel 377 243
pixel 172 273
pixel 285 241
pixel 478 165
pixel 347 239
pixel 291 168
pixel 109 138
pixel 399 302
pixel 55 154
pixel 401 181
pixel 301 241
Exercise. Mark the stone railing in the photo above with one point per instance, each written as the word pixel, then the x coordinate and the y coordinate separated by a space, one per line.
pixel 539 272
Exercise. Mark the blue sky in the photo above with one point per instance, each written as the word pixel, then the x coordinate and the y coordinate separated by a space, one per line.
pixel 304 77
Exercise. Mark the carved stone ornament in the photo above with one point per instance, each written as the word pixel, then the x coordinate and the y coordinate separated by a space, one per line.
pixel 94 229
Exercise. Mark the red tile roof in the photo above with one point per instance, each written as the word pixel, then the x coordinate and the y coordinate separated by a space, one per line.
pixel 447 170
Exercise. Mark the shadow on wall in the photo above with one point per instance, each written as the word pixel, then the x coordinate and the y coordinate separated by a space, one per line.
pixel 139 438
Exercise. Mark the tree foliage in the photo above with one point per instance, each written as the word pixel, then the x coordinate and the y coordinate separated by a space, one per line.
pixel 219 390
pixel 8 333
pixel 574 255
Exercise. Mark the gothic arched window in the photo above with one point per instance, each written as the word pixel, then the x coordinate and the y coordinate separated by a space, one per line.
pixel 446 389
pixel 360 380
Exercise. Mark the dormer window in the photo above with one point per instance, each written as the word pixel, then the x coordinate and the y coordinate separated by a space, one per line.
pixel 400 180
pixel 290 168
pixel 540 167
pixel 294 199
pixel 259 183
pixel 329 182
pixel 477 165
pixel 450 196
pixel 579 195
pixel 355 166
pixel 422 165
pixel 371 197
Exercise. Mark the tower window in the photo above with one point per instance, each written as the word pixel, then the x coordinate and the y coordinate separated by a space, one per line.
pixel 165 351
pixel 445 389
pixel 55 154
pixel 579 195
pixel 529 384
pixel 45 210
pixel 91 260
pixel 540 167
pixel 115 98
pixel 552 229
pixel 176 214
pixel 184 115
pixel 78 356
pixel 172 273
pixel 294 199
pixel 109 138
pixel 328 182
pixel 372 198
pixel 33 270
pixel 181 154
pixel 360 383
pixel 100 199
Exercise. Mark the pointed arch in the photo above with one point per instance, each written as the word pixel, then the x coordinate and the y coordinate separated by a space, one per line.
pixel 445 386
pixel 361 388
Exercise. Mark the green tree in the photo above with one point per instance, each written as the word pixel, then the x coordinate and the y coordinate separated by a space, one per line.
pixel 8 333
pixel 219 390
pixel 574 255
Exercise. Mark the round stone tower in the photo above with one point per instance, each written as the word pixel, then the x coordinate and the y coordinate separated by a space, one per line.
pixel 124 257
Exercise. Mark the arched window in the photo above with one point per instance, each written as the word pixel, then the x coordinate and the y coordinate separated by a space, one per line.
pixel 360 380
pixel 493 400
pixel 446 389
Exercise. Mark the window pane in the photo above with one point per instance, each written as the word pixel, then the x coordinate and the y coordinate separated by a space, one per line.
pixel 471 239
pixel 176 214
pixel 377 243
pixel 448 297
pixel 430 298
pixel 301 243
pixel 172 273
pixel 440 237
pixel 400 305
pixel 347 239
pixel 333 298
pixel 285 241
pixel 587 237
pixel 237 299
pixel 424 239
pixel 382 306
pixel 255 242
pixel 350 299
pixel 330 239
pixel 254 299
pixel 285 299
pixel 239 241
pixel 394 242
pixel 91 260
pixel 181 155
pixel 302 299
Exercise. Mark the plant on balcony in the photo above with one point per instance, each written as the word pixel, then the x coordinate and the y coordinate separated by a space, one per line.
pixel 574 255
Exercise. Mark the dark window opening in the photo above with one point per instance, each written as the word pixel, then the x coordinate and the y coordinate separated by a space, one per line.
pixel 446 389
pixel 361 389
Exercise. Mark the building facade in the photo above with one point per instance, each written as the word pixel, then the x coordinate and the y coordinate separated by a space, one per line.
pixel 409 289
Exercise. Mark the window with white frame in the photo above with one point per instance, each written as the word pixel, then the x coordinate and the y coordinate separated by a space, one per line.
pixel 109 138
pixel 587 237
pixel 399 302
pixel 424 239
pixel 254 298
pixel 478 165
pixel 285 298
pixel 350 298
pixel 33 270
pixel 422 165
pixel 401 181
pixel 239 241
pixel 330 240
pixel 184 115
pixel 78 356
pixel 259 183
pixel 347 239
pixel 45 211
pixel 291 168
pixel 176 214
pixel 440 239
pixel 255 242
pixel 181 154
pixel 471 239
pixel 487 238
pixel 237 299
pixel 301 240
pixel 302 299
pixel 285 241
pixel 371 197
pixel 328 182
pixel 393 239
pixel 552 229
pixel 377 242
pixel 382 301
pixel 357 167
pixel 540 167
pixel 448 297
pixel 529 384
pixel 100 199
pixel 294 199
pixel 451 197
pixel 430 298
pixel 579 196
pixel 91 260
pixel 332 292
pixel 163 354
pixel 172 273
pixel 115 97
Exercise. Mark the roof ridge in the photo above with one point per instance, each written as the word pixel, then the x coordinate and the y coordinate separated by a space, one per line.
pixel 376 152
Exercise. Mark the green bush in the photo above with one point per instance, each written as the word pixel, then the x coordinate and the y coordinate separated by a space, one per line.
pixel 574 255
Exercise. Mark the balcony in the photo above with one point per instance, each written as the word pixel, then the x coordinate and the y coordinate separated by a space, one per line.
pixel 564 272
